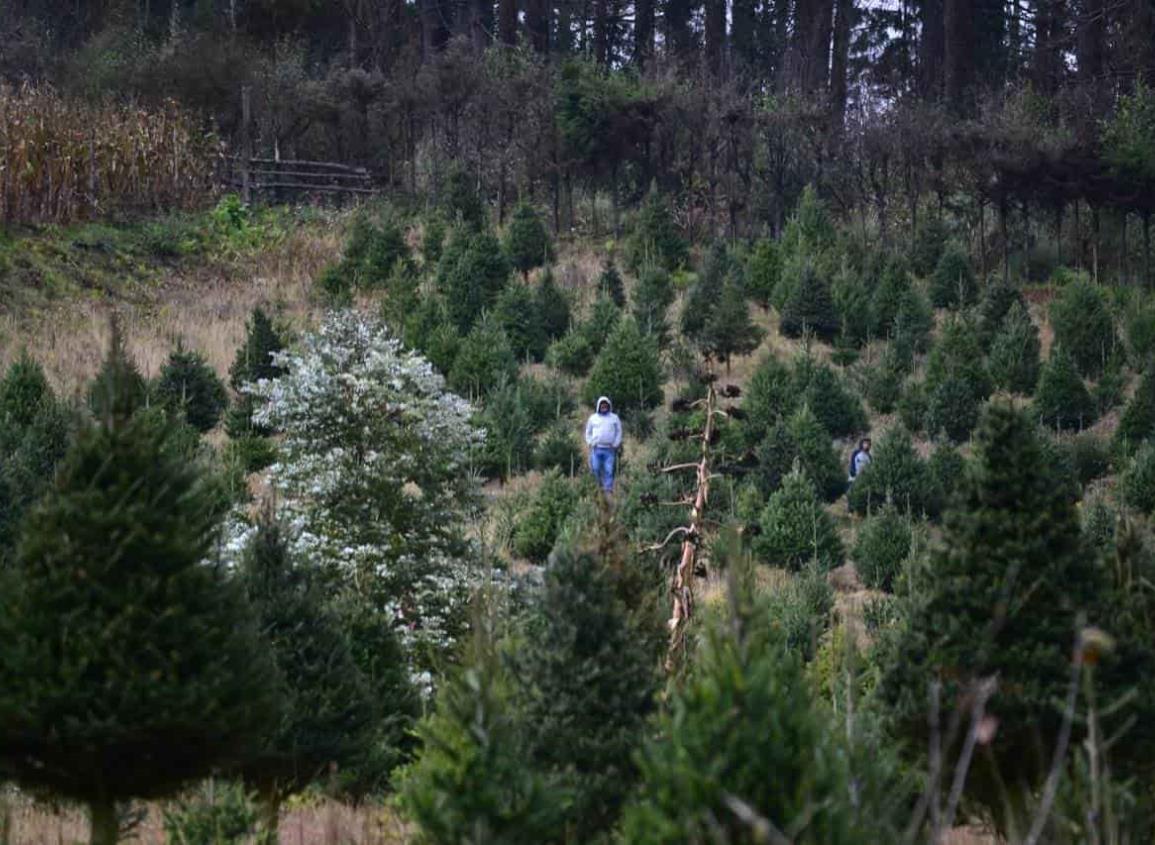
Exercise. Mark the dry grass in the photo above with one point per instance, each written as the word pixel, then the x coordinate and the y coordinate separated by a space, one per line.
pixel 324 823
pixel 63 159
pixel 205 309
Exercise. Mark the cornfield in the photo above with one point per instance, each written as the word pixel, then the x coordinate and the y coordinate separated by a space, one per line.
pixel 63 160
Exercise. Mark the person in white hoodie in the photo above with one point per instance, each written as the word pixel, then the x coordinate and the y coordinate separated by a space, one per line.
pixel 604 438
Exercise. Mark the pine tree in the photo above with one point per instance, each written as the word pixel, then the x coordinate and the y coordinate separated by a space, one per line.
pixel 930 239
pixel 770 395
pixel 810 306
pixel 189 386
pixel 527 242
pixel 797 529
pixel 327 711
pixel 601 322
pixel 913 322
pixel 800 438
pixel 429 331
pixel 119 388
pixel 1138 420
pixel 998 303
pixel 1062 401
pixel 515 312
pixel 385 249
pixel 816 384
pixel 953 283
pixel 587 672
pixel 472 273
pixel 610 283
pixel 470 783
pixel 893 285
pixel 653 296
pixel 253 362
pixel 882 545
pixel 1138 481
pixel 702 298
pixel 1084 326
pixel 553 307
pixel 1014 360
pixel 130 660
pixel 537 530
pixel 729 331
pixel 897 474
pixel 764 271
pixel 483 360
pixel 999 598
pixel 956 381
pixel 743 746
pixel 572 354
pixel 509 430
pixel 628 370
pixel 655 240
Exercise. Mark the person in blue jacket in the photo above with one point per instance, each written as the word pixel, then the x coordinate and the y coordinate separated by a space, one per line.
pixel 604 438
pixel 859 461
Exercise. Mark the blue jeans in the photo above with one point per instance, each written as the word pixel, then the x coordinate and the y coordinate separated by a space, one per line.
pixel 602 464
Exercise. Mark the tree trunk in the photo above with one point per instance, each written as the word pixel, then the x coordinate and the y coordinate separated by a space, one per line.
pixel 105 827
pixel 507 22
pixel 931 48
pixel 815 23
pixel 643 31
pixel 537 23
pixel 1147 248
pixel 269 818
pixel 1091 39
pixel 843 24
pixel 601 34
pixel 715 35
pixel 958 49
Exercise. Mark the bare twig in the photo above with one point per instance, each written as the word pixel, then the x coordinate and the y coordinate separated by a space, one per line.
pixel 982 695
pixel 764 829
pixel 681 529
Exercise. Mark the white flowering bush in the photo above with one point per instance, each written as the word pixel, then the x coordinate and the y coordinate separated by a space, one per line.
pixel 374 475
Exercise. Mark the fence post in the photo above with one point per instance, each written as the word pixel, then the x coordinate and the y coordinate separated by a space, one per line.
pixel 246 147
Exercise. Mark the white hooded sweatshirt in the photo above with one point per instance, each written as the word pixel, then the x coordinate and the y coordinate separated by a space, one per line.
pixel 603 430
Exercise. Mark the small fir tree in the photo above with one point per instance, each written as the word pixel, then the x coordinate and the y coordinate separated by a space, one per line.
pixel 953 283
pixel 559 449
pixel 947 468
pixel 653 296
pixel 893 286
pixel 118 388
pixel 1138 480
pixel 471 275
pixel 509 429
pixel 914 321
pixel 188 385
pixel 515 312
pixel 743 746
pixel 601 322
pixel 801 438
pixel 729 331
pixel 537 530
pixel 797 529
pixel 763 271
pixel 572 354
pixel 930 240
pixel 553 307
pixel 386 249
pixel 471 782
pixel 1138 420
pixel 1012 544
pixel 628 369
pixel 956 381
pixel 1062 401
pixel 526 241
pixel 895 474
pixel 882 545
pixel 769 396
pixel 1139 331
pixel 130 660
pixel 1084 326
pixel 610 283
pixel 810 306
pixel 884 381
pixel 655 239
pixel 484 358
pixel 429 331
pixel 998 302
pixel 327 711
pixel 461 201
pixel 254 361
pixel 702 298
pixel 1014 359
pixel 817 384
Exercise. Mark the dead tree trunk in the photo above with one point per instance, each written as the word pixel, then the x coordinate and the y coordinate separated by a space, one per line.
pixel 682 585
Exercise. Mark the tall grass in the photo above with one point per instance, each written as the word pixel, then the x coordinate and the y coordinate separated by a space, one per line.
pixel 63 159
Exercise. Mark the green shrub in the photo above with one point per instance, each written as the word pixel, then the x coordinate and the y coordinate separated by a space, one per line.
pixel 385 250
pixel 628 370
pixel 801 610
pixel 509 429
pixel 913 405
pixel 800 438
pixel 947 468
pixel 527 242
pixel 999 300
pixel 852 300
pixel 655 239
pixel 188 384
pixel 1014 360
pixel 729 330
pixel 883 385
pixel 1109 390
pixel 956 381
pixel 1099 519
pixel 429 331
pixel 1138 480
pixel 118 390
pixel 483 360
pixel 252 452
pixel 335 286
pixel 953 409
pixel 810 306
pixel 537 530
pixel 432 239
pixel 1090 457
pixel 1139 330
pixel 601 322
pixel 1084 326
pixel 1062 401
pixel 883 544
pixel 896 474
pixel 460 200
pixel 837 407
pixel 797 529
pixel 702 298
pixel 953 283
pixel 930 239
pixel 886 301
